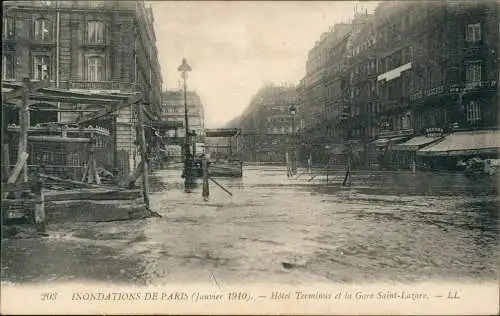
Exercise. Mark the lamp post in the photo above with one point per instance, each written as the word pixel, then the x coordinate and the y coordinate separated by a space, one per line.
pixel 184 68
pixel 293 111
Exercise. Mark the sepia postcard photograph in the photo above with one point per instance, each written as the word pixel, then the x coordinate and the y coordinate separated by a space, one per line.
pixel 250 157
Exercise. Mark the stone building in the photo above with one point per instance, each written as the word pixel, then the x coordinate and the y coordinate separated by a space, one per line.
pixel 173 111
pixel 267 124
pixel 108 46
pixel 436 67
pixel 320 90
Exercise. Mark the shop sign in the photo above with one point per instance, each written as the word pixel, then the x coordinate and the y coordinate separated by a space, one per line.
pixel 455 88
pixel 434 132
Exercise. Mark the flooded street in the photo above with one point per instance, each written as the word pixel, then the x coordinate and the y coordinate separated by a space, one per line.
pixel 383 227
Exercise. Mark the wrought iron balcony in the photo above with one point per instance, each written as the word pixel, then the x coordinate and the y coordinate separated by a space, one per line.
pixel 100 85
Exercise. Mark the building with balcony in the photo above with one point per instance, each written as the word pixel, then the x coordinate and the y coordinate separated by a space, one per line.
pixel 173 111
pixel 321 91
pixel 436 67
pixel 108 46
pixel 268 124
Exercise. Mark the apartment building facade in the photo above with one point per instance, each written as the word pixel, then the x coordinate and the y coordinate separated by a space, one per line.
pixel 109 46
pixel 267 123
pixel 435 65
pixel 173 111
pixel 321 93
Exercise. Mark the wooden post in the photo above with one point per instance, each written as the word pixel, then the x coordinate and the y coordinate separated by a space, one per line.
pixel 145 168
pixel 5 161
pixel 327 171
pixel 206 189
pixel 96 172
pixel 220 186
pixel 21 162
pixel 24 126
pixel 130 182
pixel 39 212
pixel 414 163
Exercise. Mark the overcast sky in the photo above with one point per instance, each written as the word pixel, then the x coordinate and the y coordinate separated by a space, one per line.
pixel 235 47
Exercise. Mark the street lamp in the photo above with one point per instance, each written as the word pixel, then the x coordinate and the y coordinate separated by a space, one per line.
pixel 184 68
pixel 293 111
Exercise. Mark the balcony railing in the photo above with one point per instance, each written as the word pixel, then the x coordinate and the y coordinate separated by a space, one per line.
pixel 100 85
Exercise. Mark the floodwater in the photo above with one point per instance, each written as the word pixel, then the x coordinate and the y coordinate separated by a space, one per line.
pixel 399 227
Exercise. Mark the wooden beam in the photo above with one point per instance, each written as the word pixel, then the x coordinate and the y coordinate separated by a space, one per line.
pixel 60 110
pixel 134 176
pixel 10 95
pixel 92 94
pixel 76 100
pixel 5 161
pixel 96 173
pixel 58 139
pixel 18 90
pixel 20 165
pixel 24 122
pixel 93 194
pixel 132 100
pixel 19 103
pixel 72 182
pixel 10 203
pixel 145 169
pixel 16 187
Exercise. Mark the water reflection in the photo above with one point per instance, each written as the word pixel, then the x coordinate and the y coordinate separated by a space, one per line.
pixel 399 227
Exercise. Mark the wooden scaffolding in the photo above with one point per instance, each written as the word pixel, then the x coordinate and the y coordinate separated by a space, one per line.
pixel 26 95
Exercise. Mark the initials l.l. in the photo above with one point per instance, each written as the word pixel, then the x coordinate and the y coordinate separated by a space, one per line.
pixel 453 295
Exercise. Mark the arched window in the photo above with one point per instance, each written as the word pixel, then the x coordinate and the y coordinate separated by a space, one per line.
pixel 95 68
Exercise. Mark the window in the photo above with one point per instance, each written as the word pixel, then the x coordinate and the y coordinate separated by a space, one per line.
pixel 94 4
pixel 96 32
pixel 473 112
pixel 9 28
pixel 95 68
pixel 473 74
pixel 405 122
pixel 42 30
pixel 406 55
pixel 473 33
pixel 8 66
pixel 41 67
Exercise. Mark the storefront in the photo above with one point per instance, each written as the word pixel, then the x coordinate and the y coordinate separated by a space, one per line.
pixel 459 146
pixel 380 151
pixel 406 152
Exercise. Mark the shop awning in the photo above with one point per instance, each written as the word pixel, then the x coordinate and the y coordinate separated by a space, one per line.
pixel 381 142
pixel 415 143
pixel 464 143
